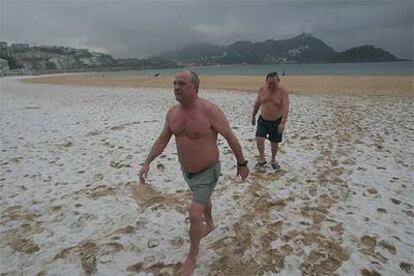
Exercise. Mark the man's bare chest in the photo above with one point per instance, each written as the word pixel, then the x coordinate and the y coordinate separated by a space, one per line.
pixel 271 98
pixel 193 126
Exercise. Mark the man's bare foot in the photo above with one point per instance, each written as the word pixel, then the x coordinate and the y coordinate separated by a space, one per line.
pixel 187 267
pixel 209 228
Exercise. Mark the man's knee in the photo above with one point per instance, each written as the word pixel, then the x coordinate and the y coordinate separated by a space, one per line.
pixel 260 139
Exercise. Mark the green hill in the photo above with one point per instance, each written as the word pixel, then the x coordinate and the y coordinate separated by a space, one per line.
pixel 366 53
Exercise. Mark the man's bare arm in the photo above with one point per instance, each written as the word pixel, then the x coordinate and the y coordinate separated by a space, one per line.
pixel 256 105
pixel 157 148
pixel 285 107
pixel 221 125
pixel 161 142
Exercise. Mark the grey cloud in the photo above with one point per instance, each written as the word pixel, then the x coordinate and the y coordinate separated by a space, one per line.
pixel 144 28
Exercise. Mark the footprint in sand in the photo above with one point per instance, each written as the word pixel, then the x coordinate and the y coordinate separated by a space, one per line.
pixel 107 252
pixel 147 196
pixel 160 167
pixel 389 247
pixel 177 242
pixel 372 191
pixel 152 243
pixel 408 213
pixel 366 272
pixel 406 267
pixel 369 241
pixel 119 164
pixel 101 191
pixel 313 191
pixel 395 201
pixel 382 210
pixel 368 245
pixel 86 251
pixel 22 243
pixel 156 269
pixel 278 204
pixel 98 177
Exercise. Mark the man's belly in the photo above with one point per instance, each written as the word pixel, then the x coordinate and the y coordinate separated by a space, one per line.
pixel 271 113
pixel 195 156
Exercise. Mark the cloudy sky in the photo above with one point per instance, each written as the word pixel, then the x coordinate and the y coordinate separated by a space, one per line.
pixel 127 28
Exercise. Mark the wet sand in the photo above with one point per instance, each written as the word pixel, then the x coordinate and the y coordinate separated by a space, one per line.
pixel 306 85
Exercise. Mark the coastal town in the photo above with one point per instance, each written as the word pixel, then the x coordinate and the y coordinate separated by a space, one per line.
pixel 30 59
pixel 27 59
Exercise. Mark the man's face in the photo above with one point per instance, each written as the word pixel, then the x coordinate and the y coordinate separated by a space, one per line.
pixel 183 87
pixel 272 83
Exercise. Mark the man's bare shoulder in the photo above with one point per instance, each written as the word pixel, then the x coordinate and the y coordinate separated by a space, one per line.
pixel 262 89
pixel 208 106
pixel 283 90
pixel 173 110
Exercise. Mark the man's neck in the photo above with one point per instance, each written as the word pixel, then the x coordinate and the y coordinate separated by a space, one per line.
pixel 191 103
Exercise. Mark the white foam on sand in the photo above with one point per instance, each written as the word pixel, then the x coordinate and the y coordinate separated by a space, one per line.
pixel 70 155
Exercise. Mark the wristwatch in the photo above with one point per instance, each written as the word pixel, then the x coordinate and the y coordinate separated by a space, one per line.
pixel 242 164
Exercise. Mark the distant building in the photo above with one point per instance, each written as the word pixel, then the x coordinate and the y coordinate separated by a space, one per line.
pixel 58 61
pixel 20 46
pixel 87 61
pixel 297 51
pixel 4 65
pixel 5 50
pixel 64 62
pixel 82 53
pixel 270 60
pixel 33 53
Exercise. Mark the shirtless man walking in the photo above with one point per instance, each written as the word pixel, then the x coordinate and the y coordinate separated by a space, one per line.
pixel 195 123
pixel 273 101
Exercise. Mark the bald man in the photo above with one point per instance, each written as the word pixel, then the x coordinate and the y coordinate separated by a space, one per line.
pixel 196 123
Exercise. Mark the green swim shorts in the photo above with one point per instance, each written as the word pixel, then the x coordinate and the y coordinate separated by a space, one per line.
pixel 202 184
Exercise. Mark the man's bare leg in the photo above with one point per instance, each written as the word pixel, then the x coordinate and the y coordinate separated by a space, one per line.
pixel 209 219
pixel 260 141
pixel 274 148
pixel 197 230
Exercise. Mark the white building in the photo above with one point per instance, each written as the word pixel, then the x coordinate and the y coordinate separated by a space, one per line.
pixel 4 65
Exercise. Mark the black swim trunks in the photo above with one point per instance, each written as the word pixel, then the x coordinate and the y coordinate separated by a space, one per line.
pixel 268 129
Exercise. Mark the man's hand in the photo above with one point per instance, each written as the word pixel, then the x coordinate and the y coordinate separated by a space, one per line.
pixel 253 120
pixel 143 173
pixel 243 171
pixel 280 128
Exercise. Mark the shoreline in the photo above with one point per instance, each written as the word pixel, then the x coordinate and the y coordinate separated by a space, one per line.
pixel 397 86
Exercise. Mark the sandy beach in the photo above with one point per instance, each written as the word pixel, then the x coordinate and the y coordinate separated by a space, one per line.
pixel 305 85
pixel 342 203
